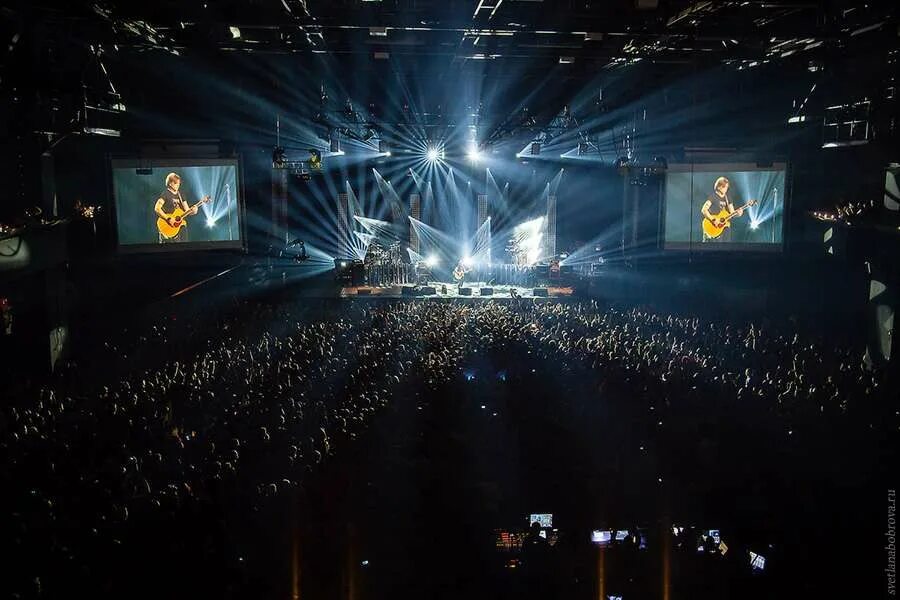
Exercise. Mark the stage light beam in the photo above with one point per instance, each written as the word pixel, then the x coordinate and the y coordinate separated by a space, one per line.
pixel 529 236
pixel 431 261
pixel 210 222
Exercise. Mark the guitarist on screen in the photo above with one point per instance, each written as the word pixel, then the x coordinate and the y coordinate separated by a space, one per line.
pixel 172 211
pixel 717 211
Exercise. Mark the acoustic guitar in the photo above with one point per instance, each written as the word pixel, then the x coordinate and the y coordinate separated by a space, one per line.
pixel 178 217
pixel 722 221
pixel 460 271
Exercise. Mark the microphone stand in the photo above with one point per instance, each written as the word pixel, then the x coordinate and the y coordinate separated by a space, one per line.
pixel 775 215
pixel 228 208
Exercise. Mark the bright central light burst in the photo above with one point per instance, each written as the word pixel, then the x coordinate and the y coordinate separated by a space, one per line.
pixel 529 236
pixel 433 154
pixel 431 261
pixel 474 154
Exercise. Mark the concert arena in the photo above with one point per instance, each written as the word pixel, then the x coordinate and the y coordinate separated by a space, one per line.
pixel 442 299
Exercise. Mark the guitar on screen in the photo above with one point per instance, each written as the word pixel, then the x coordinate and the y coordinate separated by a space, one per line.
pixel 722 220
pixel 171 225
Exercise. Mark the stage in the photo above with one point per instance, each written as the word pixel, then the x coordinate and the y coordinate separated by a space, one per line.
pixel 452 291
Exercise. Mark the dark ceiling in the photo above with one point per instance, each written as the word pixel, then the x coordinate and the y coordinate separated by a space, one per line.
pixel 596 32
pixel 511 54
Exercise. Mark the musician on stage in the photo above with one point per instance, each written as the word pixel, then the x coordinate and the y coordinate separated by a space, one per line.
pixel 460 272
pixel 715 204
pixel 168 201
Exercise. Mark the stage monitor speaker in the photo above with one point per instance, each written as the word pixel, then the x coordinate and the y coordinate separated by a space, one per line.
pixel 364 292
pixel 408 290
pixel 466 291
pixel 487 291
pixel 358 274
pixel 428 290
pixel 541 293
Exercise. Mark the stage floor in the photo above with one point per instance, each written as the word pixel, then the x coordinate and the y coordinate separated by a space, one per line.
pixel 452 291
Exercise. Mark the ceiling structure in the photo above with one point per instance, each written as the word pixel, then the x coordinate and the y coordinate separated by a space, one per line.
pixel 521 41
pixel 604 33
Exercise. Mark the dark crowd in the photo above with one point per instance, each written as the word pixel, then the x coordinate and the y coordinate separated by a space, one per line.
pixel 147 447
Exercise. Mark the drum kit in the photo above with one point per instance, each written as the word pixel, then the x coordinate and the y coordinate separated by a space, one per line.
pixel 379 255
pixel 518 252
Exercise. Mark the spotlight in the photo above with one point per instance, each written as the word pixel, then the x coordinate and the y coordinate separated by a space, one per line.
pixel 210 222
pixel 434 154
pixel 315 160
pixel 468 261
pixel 431 261
pixel 474 154
pixel 297 250
pixel 754 225
pixel 347 271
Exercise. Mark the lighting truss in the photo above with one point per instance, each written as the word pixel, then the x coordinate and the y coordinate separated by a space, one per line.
pixel 523 121
pixel 347 121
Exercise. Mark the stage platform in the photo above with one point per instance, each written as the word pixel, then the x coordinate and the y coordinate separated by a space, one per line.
pixel 447 290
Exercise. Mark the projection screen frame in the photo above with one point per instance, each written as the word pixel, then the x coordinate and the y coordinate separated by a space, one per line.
pixel 733 248
pixel 163 163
